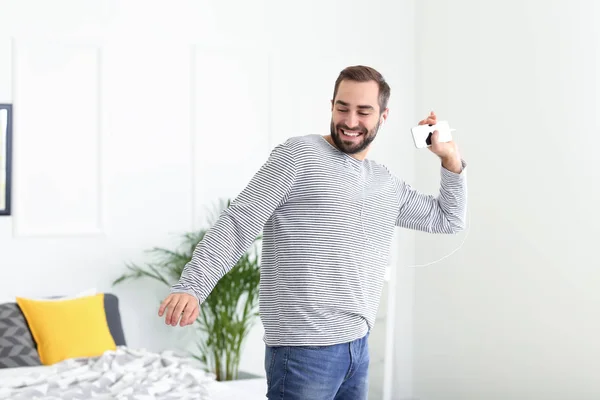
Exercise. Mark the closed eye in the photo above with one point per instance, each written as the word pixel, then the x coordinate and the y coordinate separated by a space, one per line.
pixel 360 113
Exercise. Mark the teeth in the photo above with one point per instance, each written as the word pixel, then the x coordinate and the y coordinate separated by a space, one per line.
pixel 351 133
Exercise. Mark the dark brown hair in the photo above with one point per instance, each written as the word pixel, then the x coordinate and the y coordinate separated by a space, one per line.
pixel 361 73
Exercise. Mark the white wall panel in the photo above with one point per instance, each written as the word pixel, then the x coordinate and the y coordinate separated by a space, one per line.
pixel 6 49
pixel 57 169
pixel 146 120
pixel 231 121
pixel 302 90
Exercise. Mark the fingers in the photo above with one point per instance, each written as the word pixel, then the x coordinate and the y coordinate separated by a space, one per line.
pixel 163 305
pixel 430 120
pixel 171 310
pixel 178 311
pixel 179 305
pixel 190 313
pixel 435 142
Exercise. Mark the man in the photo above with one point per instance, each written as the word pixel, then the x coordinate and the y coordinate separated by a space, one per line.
pixel 328 215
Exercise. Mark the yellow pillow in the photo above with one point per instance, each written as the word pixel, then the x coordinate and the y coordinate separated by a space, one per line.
pixel 64 329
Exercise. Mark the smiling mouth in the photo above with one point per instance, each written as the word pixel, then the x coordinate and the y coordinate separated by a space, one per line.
pixel 350 134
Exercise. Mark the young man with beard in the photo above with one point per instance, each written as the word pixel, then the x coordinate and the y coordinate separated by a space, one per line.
pixel 328 215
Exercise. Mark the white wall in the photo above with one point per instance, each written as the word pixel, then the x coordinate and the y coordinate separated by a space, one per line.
pixel 132 117
pixel 514 313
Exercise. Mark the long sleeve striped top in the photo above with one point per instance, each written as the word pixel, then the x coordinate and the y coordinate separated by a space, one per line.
pixel 327 221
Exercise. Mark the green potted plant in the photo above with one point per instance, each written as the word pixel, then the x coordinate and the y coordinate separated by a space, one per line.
pixel 228 313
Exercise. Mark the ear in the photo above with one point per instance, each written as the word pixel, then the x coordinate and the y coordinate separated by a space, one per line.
pixel 384 116
pixel 331 105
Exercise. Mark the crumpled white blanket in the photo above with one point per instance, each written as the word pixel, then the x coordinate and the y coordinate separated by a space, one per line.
pixel 124 374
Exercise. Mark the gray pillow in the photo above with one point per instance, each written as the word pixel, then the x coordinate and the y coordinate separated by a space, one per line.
pixel 113 318
pixel 17 348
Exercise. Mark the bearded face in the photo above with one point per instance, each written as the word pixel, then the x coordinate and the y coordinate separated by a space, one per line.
pixel 355 116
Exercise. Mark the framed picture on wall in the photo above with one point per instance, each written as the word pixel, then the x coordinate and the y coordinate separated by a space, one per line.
pixel 5 157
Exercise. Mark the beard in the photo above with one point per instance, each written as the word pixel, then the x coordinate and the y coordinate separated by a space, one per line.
pixel 353 146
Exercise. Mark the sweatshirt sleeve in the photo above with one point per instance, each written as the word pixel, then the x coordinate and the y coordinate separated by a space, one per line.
pixel 239 225
pixel 445 213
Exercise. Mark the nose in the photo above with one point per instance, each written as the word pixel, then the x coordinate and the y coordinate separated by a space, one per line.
pixel 351 120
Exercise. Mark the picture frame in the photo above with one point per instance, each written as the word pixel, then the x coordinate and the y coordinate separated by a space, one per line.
pixel 6 133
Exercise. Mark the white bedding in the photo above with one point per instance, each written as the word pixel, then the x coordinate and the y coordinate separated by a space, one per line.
pixel 124 374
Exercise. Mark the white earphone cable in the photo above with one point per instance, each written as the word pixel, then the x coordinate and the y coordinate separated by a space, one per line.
pixel 387 258
pixel 454 251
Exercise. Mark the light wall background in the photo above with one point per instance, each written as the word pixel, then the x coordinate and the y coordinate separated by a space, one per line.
pixel 132 117
pixel 514 313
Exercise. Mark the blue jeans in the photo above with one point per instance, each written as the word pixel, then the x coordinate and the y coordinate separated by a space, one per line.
pixel 338 372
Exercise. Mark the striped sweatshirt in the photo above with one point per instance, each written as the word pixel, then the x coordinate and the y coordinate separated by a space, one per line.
pixel 327 221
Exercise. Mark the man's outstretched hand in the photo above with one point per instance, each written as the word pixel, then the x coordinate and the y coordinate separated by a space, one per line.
pixel 179 305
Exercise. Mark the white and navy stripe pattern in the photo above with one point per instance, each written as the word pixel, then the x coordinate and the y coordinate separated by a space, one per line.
pixel 327 221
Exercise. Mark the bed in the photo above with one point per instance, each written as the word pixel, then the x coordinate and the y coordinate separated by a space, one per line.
pixel 123 373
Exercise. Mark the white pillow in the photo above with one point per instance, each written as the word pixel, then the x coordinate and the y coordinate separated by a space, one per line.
pixel 85 293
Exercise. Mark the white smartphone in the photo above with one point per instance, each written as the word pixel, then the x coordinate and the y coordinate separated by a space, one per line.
pixel 422 134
